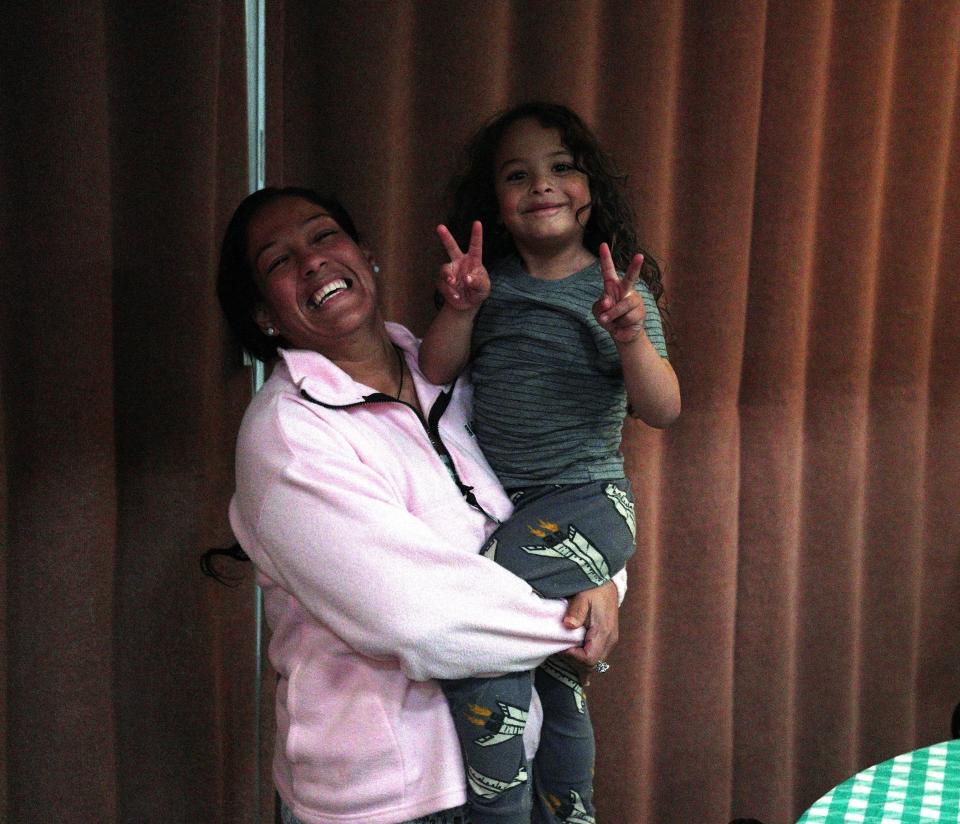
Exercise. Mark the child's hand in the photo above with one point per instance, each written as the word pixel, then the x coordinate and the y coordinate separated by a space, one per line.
pixel 464 282
pixel 620 309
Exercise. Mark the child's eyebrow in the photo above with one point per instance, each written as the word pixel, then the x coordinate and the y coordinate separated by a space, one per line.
pixel 520 159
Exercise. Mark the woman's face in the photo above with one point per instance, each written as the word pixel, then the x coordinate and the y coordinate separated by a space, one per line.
pixel 317 283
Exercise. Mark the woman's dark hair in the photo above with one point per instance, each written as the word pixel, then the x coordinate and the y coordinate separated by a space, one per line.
pixel 611 218
pixel 238 294
pixel 236 286
pixel 209 567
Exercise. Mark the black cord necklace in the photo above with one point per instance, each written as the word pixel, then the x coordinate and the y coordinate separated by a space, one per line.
pixel 400 364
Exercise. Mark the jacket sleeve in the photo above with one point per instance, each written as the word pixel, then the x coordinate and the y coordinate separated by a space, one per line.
pixel 333 533
pixel 620 580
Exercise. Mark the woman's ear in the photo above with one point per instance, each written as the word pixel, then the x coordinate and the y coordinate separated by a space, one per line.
pixel 263 319
pixel 371 259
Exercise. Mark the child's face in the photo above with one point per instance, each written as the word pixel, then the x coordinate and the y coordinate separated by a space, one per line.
pixel 539 189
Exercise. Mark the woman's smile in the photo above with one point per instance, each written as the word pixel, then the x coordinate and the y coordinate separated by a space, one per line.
pixel 328 291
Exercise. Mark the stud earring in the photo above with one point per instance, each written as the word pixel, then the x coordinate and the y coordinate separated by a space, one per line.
pixel 376 268
pixel 271 331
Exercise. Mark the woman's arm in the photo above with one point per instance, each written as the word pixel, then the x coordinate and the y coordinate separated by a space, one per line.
pixel 336 534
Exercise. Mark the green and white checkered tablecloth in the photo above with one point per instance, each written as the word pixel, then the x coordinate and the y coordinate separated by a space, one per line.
pixel 918 787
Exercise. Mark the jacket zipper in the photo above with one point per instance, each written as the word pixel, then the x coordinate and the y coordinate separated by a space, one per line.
pixel 431 427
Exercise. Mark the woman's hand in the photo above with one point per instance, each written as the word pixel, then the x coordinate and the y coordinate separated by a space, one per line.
pixel 598 610
pixel 620 309
pixel 464 282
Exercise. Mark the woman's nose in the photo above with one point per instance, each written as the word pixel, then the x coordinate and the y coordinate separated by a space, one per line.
pixel 311 262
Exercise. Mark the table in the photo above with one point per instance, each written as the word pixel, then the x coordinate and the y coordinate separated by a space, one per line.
pixel 919 787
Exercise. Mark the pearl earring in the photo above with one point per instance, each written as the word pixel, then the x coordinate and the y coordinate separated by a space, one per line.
pixel 376 268
pixel 271 331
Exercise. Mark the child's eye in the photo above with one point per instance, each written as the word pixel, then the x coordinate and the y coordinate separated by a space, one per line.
pixel 563 166
pixel 515 175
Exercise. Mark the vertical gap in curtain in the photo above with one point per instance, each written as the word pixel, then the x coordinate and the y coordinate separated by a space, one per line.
pixel 255 31
pixel 275 21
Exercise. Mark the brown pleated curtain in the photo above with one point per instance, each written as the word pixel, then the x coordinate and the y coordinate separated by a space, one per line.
pixel 794 612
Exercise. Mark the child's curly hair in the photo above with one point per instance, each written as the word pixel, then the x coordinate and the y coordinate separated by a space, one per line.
pixel 611 219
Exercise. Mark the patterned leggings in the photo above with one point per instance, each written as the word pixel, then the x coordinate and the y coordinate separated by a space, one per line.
pixel 561 540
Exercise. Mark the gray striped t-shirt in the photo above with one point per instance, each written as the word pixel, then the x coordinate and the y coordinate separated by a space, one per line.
pixel 549 399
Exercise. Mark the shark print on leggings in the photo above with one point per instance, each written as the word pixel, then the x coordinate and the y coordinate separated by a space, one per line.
pixel 503 725
pixel 571 811
pixel 487 787
pixel 623 505
pixel 567 677
pixel 574 548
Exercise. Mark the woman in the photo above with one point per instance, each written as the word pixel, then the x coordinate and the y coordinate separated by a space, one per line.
pixel 362 499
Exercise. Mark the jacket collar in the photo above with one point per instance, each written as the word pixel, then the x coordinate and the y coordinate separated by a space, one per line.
pixel 323 380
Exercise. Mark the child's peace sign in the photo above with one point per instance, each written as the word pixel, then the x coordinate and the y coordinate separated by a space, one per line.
pixel 620 309
pixel 464 282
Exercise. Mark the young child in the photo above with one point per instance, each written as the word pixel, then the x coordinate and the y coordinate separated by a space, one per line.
pixel 558 345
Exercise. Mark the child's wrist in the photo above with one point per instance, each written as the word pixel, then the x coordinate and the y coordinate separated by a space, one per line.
pixel 460 312
pixel 636 342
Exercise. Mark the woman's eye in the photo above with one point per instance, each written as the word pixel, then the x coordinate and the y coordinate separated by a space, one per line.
pixel 275 263
pixel 325 233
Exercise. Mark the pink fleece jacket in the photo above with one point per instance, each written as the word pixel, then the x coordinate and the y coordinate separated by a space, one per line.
pixel 368 556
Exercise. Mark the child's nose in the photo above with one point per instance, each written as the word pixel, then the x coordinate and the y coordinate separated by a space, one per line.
pixel 542 183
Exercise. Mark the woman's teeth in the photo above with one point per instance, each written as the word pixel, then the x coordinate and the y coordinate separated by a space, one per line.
pixel 319 297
